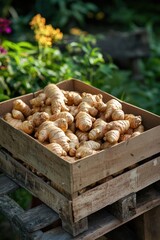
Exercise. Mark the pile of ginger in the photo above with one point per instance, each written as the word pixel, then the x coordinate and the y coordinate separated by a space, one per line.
pixel 74 125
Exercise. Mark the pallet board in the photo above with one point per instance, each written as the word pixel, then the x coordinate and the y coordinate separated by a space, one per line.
pixel 29 224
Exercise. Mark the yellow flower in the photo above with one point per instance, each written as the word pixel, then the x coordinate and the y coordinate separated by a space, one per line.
pixel 45 35
pixel 37 21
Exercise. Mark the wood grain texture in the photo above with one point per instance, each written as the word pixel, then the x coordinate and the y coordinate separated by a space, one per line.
pixel 115 159
pixel 34 184
pixel 36 218
pixel 7 185
pixel 125 207
pixel 9 207
pixel 103 222
pixel 113 190
pixel 100 222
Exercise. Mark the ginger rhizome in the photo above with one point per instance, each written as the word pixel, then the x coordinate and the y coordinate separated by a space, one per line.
pixel 57 97
pixel 74 125
pixel 87 148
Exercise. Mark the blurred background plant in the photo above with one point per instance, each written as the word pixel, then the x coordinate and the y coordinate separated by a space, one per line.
pixel 26 67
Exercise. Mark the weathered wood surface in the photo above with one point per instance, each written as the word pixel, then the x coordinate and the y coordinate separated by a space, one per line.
pixel 100 223
pixel 90 201
pixel 118 187
pixel 9 207
pixel 36 218
pixel 44 192
pixel 115 159
pixel 74 228
pixel 34 184
pixel 124 208
pixel 7 185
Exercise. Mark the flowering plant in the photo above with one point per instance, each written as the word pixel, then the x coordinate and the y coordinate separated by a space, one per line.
pixel 28 67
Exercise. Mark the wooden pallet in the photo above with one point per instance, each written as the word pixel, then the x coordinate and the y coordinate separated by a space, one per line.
pixel 124 208
pixel 43 223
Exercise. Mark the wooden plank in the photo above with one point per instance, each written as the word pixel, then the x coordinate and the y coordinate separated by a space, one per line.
pixel 9 208
pixel 7 185
pixel 115 159
pixel 34 184
pixel 113 190
pixel 36 218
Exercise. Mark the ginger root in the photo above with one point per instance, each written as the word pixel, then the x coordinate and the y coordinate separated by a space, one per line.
pixel 112 105
pixel 84 121
pixel 56 148
pixel 120 125
pixel 17 114
pixel 73 98
pixel 73 144
pixel 25 126
pixel 66 115
pixel 38 118
pixel 87 148
pixel 57 97
pixel 98 129
pixel 39 100
pixel 135 121
pixel 18 104
pixel 112 136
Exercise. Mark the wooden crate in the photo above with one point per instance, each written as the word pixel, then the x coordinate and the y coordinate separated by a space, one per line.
pixel 72 194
